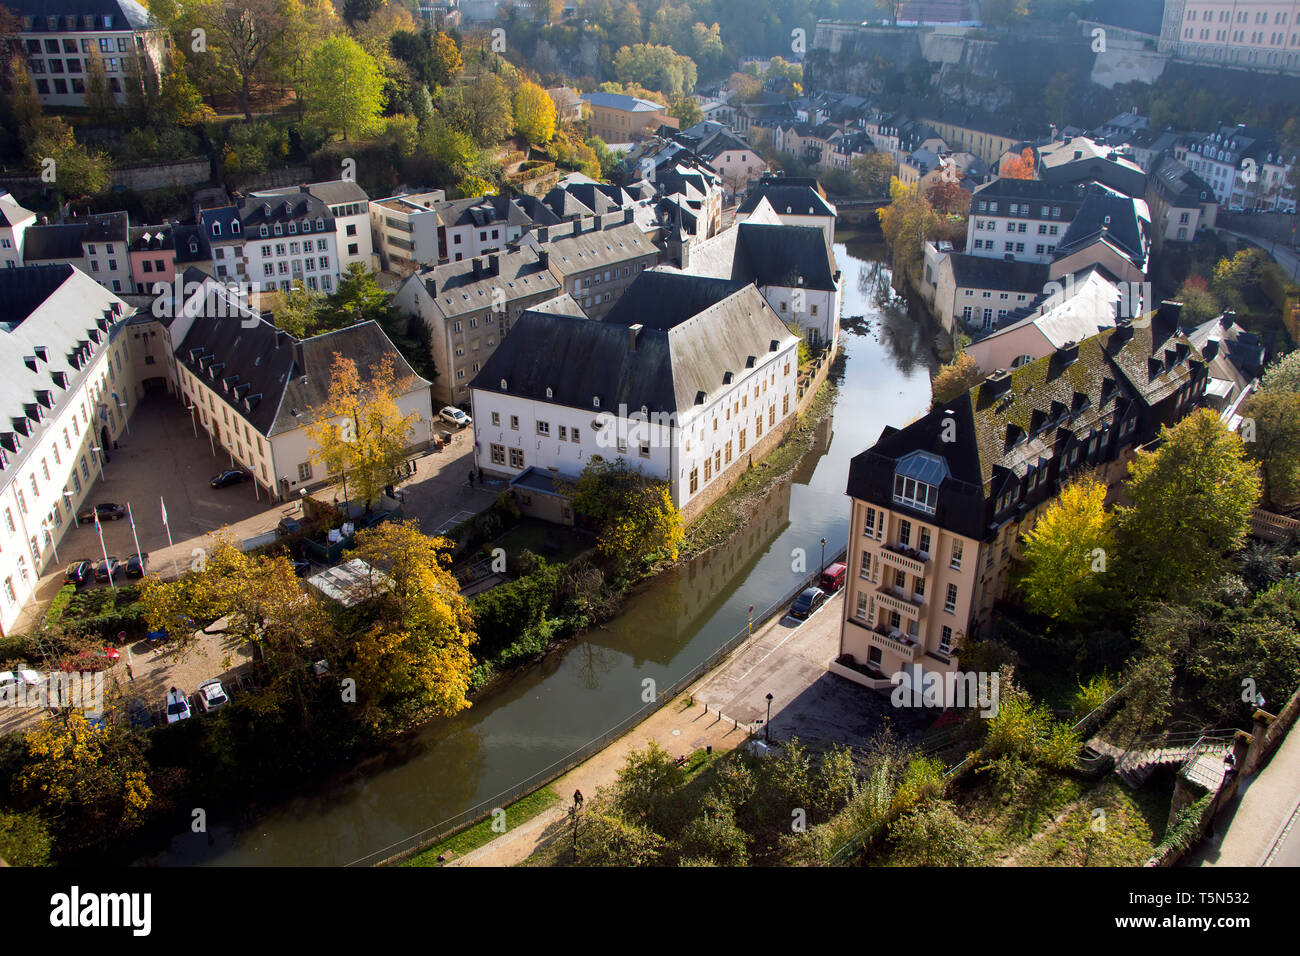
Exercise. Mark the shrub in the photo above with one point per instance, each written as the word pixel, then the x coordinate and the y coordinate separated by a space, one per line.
pixel 60 603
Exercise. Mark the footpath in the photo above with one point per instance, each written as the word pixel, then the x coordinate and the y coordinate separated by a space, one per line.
pixel 685 724
pixel 1256 820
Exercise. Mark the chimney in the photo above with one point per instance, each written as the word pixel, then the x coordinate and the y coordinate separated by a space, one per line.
pixel 1078 154
pixel 543 233
pixel 1170 313
pixel 544 258
pixel 633 331
pixel 478 267
pixel 1210 349
pixel 584 225
pixel 494 264
pixel 997 384
pixel 628 215
pixel 1123 332
pixel 1227 319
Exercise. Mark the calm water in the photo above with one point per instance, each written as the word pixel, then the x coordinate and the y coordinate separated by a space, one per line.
pixel 667 627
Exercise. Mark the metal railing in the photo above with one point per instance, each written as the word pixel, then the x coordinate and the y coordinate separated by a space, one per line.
pixel 483 809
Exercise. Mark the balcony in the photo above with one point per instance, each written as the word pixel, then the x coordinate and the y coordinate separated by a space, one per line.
pixel 906 647
pixel 891 600
pixel 913 562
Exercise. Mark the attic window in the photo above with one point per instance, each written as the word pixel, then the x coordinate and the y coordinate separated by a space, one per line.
pixel 595 401
pixel 549 393
pixel 1015 435
pixel 503 385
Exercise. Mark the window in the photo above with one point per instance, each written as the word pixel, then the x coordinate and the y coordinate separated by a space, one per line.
pixel 915 494
pixel 304 471
pixel 955 561
pixel 945 640
pixel 514 422
pixel 644 452
pixel 573 436
pixel 498 454
pixel 544 429
pixel 9 521
pixel 870 529
pixel 950 600
pixel 516 458
pixel 923 542
pixel 865 573
pixel 695 480
pixel 496 418
pixel 905 533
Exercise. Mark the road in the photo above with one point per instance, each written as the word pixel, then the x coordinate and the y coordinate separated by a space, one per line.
pixel 1282 254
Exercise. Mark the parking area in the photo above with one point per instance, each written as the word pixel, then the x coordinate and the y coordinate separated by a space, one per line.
pixel 164 459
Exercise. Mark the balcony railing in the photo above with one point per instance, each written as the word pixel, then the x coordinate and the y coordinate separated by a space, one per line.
pixel 905 559
pixel 886 598
pixel 896 641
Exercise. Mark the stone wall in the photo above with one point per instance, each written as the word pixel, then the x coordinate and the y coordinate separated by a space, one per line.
pixel 182 172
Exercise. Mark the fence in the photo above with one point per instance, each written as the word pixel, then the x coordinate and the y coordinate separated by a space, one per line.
pixel 1276 528
pixel 440 831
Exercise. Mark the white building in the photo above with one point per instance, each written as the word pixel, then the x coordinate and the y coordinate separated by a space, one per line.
pixel 1020 219
pixel 405 230
pixel 14 220
pixel 65 385
pixel 349 207
pixel 685 380
pixel 794 202
pixel 1246 168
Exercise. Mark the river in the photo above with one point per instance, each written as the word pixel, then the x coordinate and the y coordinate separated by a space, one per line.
pixel 666 627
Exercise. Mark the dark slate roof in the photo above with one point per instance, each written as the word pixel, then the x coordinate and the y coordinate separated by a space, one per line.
pixel 662 300
pixel 334 193
pixel 481 211
pixel 595 248
pixel 148 238
pixel 62 241
pixel 797 195
pixel 456 288
pixel 107 227
pixel 365 343
pixel 1036 192
pixel 183 234
pixel 787 256
pixel 1178 185
pixel 23 290
pixel 1032 417
pixel 676 364
pixel 125 13
pixel 1106 213
pixel 293 206
pixel 980 272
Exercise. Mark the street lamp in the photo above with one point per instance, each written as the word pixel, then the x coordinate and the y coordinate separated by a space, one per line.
pixel 99 461
pixel 823 570
pixel 50 538
pixel 125 418
pixel 767 727
pixel 67 495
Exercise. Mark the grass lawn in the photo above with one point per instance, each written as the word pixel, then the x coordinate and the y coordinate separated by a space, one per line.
pixel 481 833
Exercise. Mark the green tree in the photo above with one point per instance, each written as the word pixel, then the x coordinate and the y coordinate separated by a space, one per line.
pixel 77 171
pixel 100 101
pixel 1192 499
pixel 1271 430
pixel 452 152
pixel 447 62
pixel 298 311
pixel 934 835
pixel 345 88
pixel 534 114
pixel 1283 375
pixel 180 99
pixel 871 173
pixel 24 839
pixel 656 67
pixel 1235 276
pixel 647 785
pixel 482 109
pixel 24 104
pixel 686 110
pixel 635 514
pixel 1199 303
pixel 1066 553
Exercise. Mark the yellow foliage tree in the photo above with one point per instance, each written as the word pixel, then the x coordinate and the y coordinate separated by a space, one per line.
pixel 534 114
pixel 91 782
pixel 1066 554
pixel 636 515
pixel 955 379
pixel 412 658
pixel 361 433
pixel 907 222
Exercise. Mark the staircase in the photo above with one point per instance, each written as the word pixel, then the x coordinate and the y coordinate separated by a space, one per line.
pixel 1200 755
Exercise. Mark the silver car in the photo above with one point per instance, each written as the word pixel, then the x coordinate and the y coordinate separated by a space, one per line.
pixel 212 695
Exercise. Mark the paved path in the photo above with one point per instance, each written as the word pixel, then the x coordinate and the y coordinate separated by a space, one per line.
pixel 1281 253
pixel 785 658
pixel 1255 824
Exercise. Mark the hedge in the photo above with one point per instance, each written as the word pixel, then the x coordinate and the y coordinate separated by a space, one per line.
pixel 60 603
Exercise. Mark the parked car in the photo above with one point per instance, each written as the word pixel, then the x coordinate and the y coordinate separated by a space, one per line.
pixel 232 477
pixel 288 526
pixel 832 578
pixel 301 568
pixel 211 695
pixel 178 706
pixel 807 602
pixel 136 565
pixel 107 570
pixel 455 416
pixel 21 676
pixel 154 638
pixel 106 511
pixel 79 572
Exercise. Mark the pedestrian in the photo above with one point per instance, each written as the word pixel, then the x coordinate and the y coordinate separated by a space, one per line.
pixel 577 798
pixel 130 673
pixel 471 477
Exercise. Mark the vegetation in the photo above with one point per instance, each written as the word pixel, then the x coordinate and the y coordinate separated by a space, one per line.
pixel 487 829
pixel 635 517
pixel 1065 553
pixel 955 379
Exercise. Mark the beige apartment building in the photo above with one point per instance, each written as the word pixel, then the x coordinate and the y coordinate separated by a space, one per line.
pixel 1249 34
pixel 938 507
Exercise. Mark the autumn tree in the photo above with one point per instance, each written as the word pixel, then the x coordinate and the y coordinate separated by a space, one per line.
pixel 948 198
pixel 24 104
pixel 180 99
pixel 99 99
pixel 744 87
pixel 91 783
pixel 360 432
pixel 1192 500
pixel 244 38
pixel 635 514
pixel 1282 375
pixel 1020 167
pixel 686 111
pixel 1199 303
pixel 1271 431
pixel 345 89
pixel 446 58
pixel 955 379
pixel 297 311
pixel 1066 553
pixel 412 656
pixel 907 222
pixel 534 114
pixel 482 109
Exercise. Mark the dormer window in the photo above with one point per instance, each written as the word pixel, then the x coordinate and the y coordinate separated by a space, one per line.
pixel 265 231
pixel 595 401
pixel 234 225
pixel 916 481
pixel 194 247
pixel 279 229
pixel 216 228
pixel 293 228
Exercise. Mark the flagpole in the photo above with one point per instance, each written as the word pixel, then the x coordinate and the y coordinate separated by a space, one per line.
pixel 99 529
pixel 168 528
pixel 135 537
